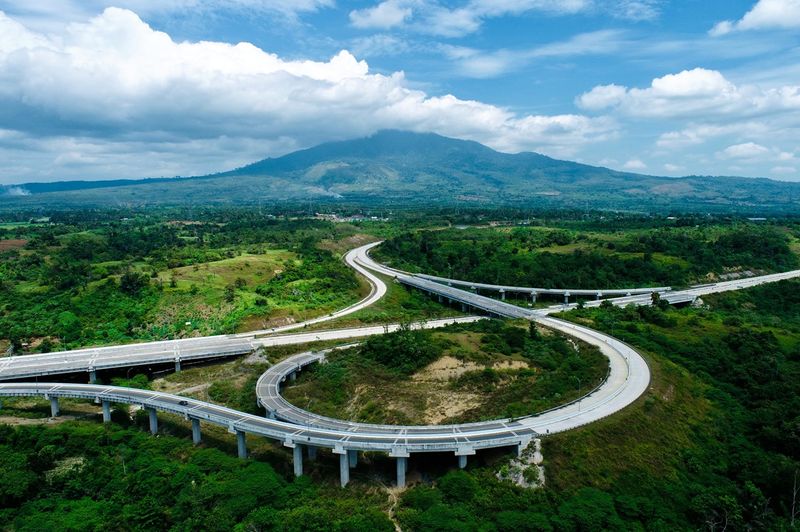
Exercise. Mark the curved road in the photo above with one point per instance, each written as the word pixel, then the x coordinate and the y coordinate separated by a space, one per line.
pixel 628 379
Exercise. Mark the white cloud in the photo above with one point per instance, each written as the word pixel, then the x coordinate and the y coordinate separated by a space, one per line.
pixel 445 19
pixel 52 15
pixel 104 91
pixel 696 93
pixel 784 170
pixel 634 165
pixel 746 150
pixel 379 44
pixel 385 15
pixel 471 62
pixel 766 14
pixel 673 168
pixel 636 9
pixel 700 133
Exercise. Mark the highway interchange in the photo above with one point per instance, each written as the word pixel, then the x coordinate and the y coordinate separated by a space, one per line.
pixel 627 380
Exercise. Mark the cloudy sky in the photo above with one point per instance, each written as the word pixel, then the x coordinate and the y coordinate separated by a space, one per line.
pixel 143 88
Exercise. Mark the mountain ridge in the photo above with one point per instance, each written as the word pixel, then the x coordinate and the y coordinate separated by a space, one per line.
pixel 424 168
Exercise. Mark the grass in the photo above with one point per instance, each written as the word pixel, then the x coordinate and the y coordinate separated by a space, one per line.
pixel 476 376
pixel 647 438
pixel 253 269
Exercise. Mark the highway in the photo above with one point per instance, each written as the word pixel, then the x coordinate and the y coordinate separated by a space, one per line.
pixel 628 378
pixel 194 349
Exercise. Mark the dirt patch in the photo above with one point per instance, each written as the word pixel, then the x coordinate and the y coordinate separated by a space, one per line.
pixel 6 245
pixel 444 369
pixel 511 364
pixel 441 406
pixel 14 420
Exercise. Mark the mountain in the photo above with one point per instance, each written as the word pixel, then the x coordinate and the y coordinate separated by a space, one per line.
pixel 396 167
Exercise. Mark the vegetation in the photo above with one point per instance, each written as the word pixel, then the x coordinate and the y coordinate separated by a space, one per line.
pixel 558 258
pixel 483 370
pixel 87 282
pixel 712 445
pixel 84 476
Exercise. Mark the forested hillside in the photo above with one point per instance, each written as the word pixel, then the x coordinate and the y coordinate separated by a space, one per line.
pixel 564 258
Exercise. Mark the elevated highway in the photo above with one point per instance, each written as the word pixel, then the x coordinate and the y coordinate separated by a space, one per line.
pixel 628 378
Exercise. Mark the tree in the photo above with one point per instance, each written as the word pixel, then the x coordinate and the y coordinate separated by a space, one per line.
pixel 230 293
pixel 132 282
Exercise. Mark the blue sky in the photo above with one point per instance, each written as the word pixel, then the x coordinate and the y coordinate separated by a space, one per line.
pixel 136 88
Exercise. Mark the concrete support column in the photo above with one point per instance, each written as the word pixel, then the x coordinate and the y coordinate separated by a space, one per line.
pixel 297 459
pixel 352 457
pixel 462 461
pixel 293 376
pixel 503 295
pixel 599 295
pixel 463 307
pixel 271 414
pixel 311 452
pixel 344 470
pixel 566 297
pixel 196 436
pixel 54 411
pixel 441 299
pixel 402 464
pixel 106 411
pixel 153 420
pixel 241 444
pixel 533 297
pixel 518 448
pixel 92 376
pixel 177 365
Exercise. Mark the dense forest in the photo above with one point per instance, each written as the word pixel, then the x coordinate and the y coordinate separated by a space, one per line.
pixel 560 258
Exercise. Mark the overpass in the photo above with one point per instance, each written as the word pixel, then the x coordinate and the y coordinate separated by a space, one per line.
pixel 533 293
pixel 628 378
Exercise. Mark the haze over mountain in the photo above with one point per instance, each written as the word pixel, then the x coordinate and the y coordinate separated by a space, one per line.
pixel 395 167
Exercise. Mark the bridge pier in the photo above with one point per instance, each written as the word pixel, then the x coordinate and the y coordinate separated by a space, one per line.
pixel 566 297
pixel 344 470
pixel 297 460
pixel 402 466
pixel 106 412
pixel 241 444
pixel 271 414
pixel 54 411
pixel 599 296
pixel 352 457
pixel 196 436
pixel 312 452
pixel 177 365
pixel 92 376
pixel 502 294
pixel 293 376
pixel 153 420
pixel 441 299
pixel 462 461
pixel 463 307
pixel 533 297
